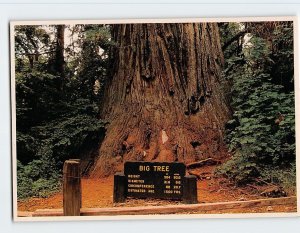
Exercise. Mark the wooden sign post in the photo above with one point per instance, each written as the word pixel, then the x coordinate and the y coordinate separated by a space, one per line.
pixel 190 190
pixel 119 188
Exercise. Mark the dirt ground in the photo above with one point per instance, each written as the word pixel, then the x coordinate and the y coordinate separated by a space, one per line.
pixel 97 193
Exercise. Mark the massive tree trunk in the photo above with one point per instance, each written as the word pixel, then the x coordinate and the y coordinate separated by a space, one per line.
pixel 164 101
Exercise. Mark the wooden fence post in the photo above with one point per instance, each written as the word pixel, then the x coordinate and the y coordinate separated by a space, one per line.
pixel 119 188
pixel 190 190
pixel 78 160
pixel 71 188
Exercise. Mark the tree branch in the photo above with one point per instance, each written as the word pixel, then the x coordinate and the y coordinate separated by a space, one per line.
pixel 237 36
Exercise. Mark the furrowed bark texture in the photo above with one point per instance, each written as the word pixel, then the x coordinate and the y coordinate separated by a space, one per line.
pixel 164 101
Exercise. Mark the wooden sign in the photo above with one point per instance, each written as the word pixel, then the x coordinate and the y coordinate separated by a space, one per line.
pixel 154 180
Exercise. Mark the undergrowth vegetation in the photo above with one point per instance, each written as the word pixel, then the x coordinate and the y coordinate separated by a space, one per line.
pixel 261 135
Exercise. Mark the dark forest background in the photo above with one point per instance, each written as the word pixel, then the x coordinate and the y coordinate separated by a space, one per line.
pixel 61 71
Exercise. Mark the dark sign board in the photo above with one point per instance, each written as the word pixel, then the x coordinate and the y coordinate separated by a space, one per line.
pixel 154 180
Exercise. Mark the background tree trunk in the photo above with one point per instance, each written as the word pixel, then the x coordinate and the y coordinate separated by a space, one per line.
pixel 56 62
pixel 164 101
pixel 59 65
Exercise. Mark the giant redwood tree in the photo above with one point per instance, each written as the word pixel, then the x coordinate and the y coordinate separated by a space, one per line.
pixel 164 100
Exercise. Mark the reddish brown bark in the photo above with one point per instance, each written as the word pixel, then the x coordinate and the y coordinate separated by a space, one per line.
pixel 164 101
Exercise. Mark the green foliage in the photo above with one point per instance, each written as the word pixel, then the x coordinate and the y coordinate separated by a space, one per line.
pixel 286 177
pixel 36 179
pixel 99 35
pixel 261 134
pixel 54 121
pixel 50 132
pixel 62 139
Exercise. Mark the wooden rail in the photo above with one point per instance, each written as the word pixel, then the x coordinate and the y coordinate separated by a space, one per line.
pixel 168 209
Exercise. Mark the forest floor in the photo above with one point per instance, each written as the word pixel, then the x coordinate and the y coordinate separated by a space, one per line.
pixel 98 193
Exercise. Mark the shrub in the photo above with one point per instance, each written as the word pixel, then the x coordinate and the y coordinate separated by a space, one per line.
pixel 261 135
